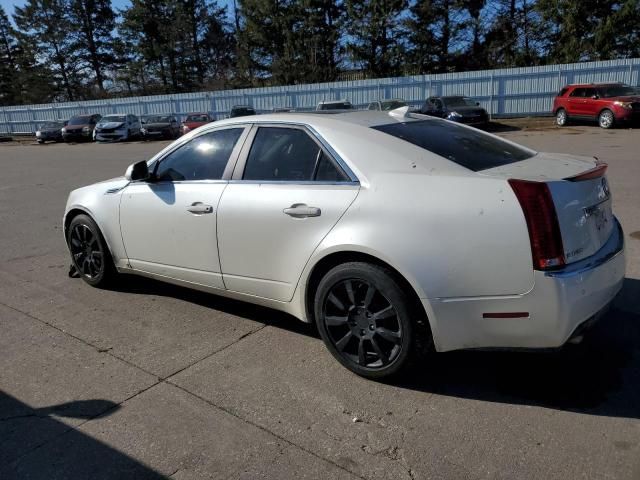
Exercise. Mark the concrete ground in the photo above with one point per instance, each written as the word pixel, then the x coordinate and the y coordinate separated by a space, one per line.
pixel 155 381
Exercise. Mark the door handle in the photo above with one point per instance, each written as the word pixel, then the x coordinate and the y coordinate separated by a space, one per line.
pixel 301 210
pixel 199 208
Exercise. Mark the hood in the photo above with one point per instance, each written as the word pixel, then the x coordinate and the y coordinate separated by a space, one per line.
pixel 71 128
pixel 630 98
pixel 50 130
pixel 194 124
pixel 110 125
pixel 156 125
pixel 468 111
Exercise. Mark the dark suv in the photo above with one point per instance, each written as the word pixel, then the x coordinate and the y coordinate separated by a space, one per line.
pixel 607 103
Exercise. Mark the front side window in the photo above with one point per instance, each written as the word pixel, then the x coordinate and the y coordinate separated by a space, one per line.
pixel 289 154
pixel 468 147
pixel 203 158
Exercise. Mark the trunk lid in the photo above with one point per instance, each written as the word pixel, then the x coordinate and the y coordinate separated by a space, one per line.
pixel 582 202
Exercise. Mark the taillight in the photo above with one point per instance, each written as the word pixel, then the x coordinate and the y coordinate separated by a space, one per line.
pixel 542 222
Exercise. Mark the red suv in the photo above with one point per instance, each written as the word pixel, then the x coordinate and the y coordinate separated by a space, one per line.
pixel 607 103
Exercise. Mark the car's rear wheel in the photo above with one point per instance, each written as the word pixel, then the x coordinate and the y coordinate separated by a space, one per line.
pixel 561 117
pixel 89 252
pixel 367 321
pixel 606 119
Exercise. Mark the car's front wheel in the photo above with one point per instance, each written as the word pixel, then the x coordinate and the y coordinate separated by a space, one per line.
pixel 561 117
pixel 606 119
pixel 367 321
pixel 89 252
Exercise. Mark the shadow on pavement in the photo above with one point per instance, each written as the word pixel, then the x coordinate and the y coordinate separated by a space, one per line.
pixel 36 445
pixel 600 376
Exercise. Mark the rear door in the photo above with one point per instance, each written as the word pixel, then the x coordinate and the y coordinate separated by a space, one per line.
pixel 286 194
pixel 576 102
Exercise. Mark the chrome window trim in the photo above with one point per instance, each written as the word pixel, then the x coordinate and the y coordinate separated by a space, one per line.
pixel 322 143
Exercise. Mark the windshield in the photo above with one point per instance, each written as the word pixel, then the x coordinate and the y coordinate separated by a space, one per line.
pixel 459 102
pixel 51 125
pixel 336 106
pixel 157 119
pixel 80 120
pixel 393 104
pixel 113 118
pixel 619 91
pixel 468 147
pixel 197 118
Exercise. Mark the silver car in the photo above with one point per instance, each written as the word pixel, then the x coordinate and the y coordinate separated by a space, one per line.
pixel 395 233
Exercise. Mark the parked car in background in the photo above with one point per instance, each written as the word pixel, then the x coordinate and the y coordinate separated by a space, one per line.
pixel 50 131
pixel 80 128
pixel 456 108
pixel 283 109
pixel 386 105
pixel 159 126
pixel 241 111
pixel 334 105
pixel 195 120
pixel 395 233
pixel 116 127
pixel 609 104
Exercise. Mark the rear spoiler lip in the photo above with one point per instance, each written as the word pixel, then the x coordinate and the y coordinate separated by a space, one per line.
pixel 596 172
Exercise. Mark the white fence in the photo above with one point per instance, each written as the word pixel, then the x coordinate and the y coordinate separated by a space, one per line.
pixel 503 92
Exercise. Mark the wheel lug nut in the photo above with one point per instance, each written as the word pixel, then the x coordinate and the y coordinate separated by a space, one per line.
pixel 362 332
pixel 371 327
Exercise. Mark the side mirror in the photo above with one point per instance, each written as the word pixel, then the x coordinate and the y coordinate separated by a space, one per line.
pixel 595 97
pixel 477 104
pixel 137 171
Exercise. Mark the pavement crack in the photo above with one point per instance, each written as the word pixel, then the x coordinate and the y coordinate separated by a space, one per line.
pixel 211 354
pixel 266 430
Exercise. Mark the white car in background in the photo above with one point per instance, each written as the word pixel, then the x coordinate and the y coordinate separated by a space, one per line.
pixel 394 232
pixel 117 127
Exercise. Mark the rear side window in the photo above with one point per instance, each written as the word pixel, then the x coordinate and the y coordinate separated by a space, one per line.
pixel 467 147
pixel 578 92
pixel 289 155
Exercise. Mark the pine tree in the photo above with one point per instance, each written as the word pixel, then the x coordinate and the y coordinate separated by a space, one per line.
pixel 92 23
pixel 374 30
pixel 432 27
pixel 45 25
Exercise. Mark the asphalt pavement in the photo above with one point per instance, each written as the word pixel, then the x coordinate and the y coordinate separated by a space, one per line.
pixel 150 380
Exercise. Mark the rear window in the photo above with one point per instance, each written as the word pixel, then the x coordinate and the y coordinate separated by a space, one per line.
pixel 468 147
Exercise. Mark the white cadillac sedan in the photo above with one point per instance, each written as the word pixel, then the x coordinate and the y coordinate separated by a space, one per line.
pixel 395 233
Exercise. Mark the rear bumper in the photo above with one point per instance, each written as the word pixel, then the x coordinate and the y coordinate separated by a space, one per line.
pixel 557 305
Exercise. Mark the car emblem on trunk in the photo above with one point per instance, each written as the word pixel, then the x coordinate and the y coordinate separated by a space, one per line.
pixel 603 189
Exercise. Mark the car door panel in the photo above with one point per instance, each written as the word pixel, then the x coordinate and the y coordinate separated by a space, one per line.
pixel 168 224
pixel 286 195
pixel 162 236
pixel 263 249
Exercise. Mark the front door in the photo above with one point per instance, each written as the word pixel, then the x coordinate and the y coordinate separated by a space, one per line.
pixel 287 194
pixel 168 224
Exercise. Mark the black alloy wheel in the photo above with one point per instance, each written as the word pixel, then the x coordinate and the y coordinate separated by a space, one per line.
pixel 89 252
pixel 366 319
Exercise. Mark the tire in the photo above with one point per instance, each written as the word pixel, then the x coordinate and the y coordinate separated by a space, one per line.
pixel 606 119
pixel 561 117
pixel 89 252
pixel 367 321
pixel 40 142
